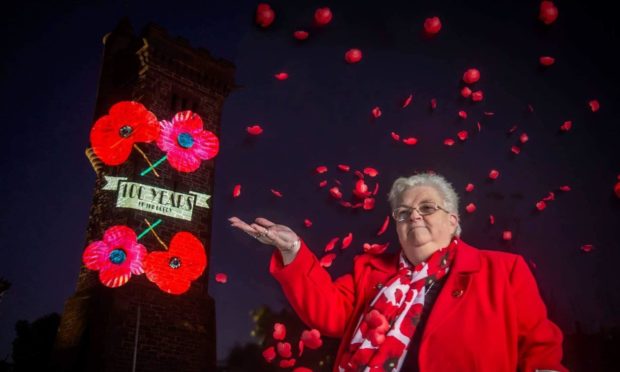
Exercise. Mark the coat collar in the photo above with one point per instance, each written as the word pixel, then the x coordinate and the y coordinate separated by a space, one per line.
pixel 467 260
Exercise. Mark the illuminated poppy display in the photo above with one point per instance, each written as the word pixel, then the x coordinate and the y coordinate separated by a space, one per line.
pixel 116 257
pixel 186 142
pixel 174 270
pixel 113 136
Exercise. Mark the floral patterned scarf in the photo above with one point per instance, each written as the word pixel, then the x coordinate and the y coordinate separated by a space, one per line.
pixel 383 333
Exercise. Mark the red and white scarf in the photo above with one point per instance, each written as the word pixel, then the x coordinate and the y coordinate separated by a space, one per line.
pixel 384 330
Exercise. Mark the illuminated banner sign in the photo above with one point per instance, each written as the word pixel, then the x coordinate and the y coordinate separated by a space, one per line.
pixel 154 199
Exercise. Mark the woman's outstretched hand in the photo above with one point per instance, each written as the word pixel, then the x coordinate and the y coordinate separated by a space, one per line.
pixel 267 232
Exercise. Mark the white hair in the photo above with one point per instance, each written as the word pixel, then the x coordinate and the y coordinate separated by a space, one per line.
pixel 439 183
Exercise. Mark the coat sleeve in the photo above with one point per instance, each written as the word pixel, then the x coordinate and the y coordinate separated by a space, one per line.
pixel 540 340
pixel 320 302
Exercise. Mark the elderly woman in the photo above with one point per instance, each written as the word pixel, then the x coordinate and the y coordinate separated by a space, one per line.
pixel 438 305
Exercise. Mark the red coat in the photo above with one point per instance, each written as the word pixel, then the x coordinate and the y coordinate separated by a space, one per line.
pixel 488 316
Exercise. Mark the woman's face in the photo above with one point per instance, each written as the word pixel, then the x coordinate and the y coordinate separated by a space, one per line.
pixel 437 228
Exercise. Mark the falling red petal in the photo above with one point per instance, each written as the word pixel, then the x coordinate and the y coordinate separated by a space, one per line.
pixel 541 205
pixel 432 25
pixel 549 197
pixel 566 126
pixel 462 135
pixel 300 346
pixel 493 174
pixel 407 101
pixel 321 169
pixel 376 112
pixel 465 92
pixel 346 241
pixel 335 192
pixel 284 349
pixel 331 245
pixel 353 55
pixel 269 354
pixel 369 203
pixel 312 338
pixel 512 130
pixel 546 61
pixel 433 103
pixel 236 191
pixel 523 138
pixel 533 264
pixel 376 190
pixel 279 331
pixel 462 114
pixel 323 183
pixel 548 12
pixel 479 126
pixel 448 142
pixel 371 172
pixel 477 96
pixel 384 227
pixel 361 189
pixel 395 136
pixel 327 260
pixel 565 188
pixel 587 248
pixel 281 76
pixel 221 278
pixel 264 15
pixel 287 363
pixel 492 219
pixel 515 149
pixel 507 235
pixel 375 248
pixel 617 189
pixel 307 223
pixel 470 208
pixel 300 35
pixel 594 105
pixel 254 130
pixel 323 16
pixel 344 167
pixel 469 187
pixel 276 193
pixel 471 76
pixel 410 141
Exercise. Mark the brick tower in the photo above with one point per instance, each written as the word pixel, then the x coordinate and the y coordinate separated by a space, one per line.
pixel 138 326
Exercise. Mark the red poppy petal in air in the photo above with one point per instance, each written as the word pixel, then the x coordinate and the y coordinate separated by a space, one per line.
pixel 566 126
pixel 565 188
pixel 433 103
pixel 548 12
pixel 395 136
pixel 465 92
pixel 369 203
pixel 594 105
pixel 236 191
pixel 372 172
pixel 279 331
pixel 323 16
pixel 335 192
pixel 269 354
pixel 492 219
pixel 323 183
pixel 312 339
pixel 448 142
pixel 300 35
pixel 470 208
pixel 477 96
pixel 471 76
pixel 331 244
pixel 346 241
pixel 353 55
pixel 264 15
pixel 587 248
pixel 493 174
pixel 344 167
pixel 469 187
pixel 321 169
pixel 507 235
pixel 276 193
pixel 463 114
pixel 384 227
pixel 411 141
pixel 376 112
pixel 287 363
pixel 376 190
pixel 462 135
pixel 300 346
pixel 546 61
pixel 479 126
pixel 375 248
pixel 541 205
pixel 359 174
pixel 515 150
pixel 221 278
pixel 617 189
pixel 550 196
pixel 523 138
pixel 284 349
pixel 281 76
pixel 307 223
pixel 407 101
pixel 327 260
pixel 254 130
pixel 432 25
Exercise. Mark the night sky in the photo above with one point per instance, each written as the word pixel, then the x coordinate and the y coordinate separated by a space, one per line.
pixel 321 115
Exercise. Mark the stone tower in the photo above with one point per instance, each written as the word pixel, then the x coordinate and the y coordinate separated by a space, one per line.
pixel 138 326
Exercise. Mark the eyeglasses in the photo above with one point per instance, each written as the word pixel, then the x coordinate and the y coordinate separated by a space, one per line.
pixel 401 214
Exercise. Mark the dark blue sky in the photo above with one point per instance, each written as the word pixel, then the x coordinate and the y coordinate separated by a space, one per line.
pixel 321 116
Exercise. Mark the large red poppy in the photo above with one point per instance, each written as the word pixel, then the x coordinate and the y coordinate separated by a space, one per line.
pixel 186 142
pixel 174 270
pixel 113 135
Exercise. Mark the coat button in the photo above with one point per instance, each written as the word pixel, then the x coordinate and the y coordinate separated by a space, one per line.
pixel 457 293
